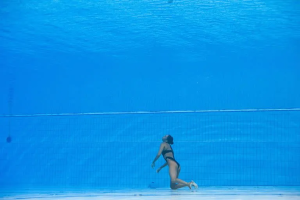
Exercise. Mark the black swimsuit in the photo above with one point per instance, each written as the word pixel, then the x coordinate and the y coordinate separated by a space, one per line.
pixel 167 151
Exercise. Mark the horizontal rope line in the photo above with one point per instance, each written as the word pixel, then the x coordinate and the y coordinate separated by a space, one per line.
pixel 155 112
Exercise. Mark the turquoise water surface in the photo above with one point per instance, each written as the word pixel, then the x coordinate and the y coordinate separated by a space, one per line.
pixel 75 76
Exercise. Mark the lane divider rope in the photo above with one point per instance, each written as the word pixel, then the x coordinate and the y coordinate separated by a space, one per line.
pixel 155 112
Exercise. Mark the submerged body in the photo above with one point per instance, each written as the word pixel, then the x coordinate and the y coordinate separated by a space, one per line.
pixel 166 154
pixel 174 167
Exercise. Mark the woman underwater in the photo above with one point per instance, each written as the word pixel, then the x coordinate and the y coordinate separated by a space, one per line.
pixel 174 167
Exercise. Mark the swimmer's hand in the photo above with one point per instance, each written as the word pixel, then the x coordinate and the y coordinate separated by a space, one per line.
pixel 158 170
pixel 153 165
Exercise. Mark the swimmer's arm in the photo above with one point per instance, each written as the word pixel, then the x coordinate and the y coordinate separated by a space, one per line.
pixel 159 152
pixel 161 167
pixel 164 165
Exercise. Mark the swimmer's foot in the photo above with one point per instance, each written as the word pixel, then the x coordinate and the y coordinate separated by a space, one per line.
pixel 192 183
pixel 189 185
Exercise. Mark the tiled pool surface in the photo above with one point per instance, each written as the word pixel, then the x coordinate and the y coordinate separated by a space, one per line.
pixel 266 193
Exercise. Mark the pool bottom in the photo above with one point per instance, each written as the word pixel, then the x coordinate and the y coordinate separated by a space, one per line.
pixel 202 193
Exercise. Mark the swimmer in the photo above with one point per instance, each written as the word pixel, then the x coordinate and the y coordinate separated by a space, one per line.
pixel 174 167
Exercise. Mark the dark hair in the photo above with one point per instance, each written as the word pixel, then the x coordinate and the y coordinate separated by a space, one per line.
pixel 170 139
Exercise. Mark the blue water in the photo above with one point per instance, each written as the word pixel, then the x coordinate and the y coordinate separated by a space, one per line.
pixel 118 56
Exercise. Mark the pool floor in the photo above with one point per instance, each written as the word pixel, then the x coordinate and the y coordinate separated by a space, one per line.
pixel 202 193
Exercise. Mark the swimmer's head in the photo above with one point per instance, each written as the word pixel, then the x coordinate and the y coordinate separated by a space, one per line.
pixel 168 139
